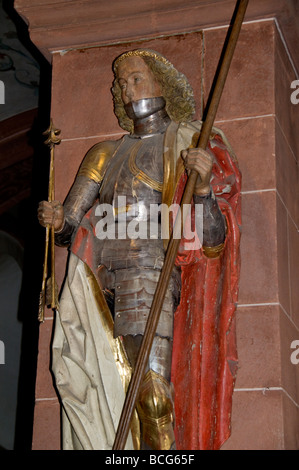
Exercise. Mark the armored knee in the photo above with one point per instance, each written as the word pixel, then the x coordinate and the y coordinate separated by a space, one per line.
pixel 156 412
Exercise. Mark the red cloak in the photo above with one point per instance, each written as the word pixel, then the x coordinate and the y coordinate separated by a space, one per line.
pixel 204 353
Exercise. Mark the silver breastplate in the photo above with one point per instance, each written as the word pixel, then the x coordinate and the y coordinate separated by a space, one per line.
pixel 133 186
pixel 130 266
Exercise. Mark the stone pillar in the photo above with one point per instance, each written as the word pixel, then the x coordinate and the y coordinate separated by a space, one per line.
pixel 259 120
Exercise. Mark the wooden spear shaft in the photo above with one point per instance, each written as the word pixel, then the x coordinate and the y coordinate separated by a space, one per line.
pixel 154 314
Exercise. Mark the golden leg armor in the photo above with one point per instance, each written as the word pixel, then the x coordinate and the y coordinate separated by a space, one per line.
pixel 156 412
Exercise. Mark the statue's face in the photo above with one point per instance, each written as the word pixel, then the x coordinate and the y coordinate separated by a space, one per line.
pixel 136 80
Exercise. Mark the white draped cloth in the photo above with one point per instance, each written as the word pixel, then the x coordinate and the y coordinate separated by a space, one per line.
pixel 88 363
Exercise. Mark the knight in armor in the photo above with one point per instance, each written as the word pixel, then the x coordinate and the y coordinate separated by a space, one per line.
pixel 111 280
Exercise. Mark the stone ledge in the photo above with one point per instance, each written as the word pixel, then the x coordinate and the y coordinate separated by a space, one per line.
pixel 60 24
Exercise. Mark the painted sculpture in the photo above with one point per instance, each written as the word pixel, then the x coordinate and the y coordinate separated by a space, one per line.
pixel 117 232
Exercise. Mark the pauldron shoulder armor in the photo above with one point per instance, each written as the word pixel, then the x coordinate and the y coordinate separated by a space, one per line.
pixel 85 188
pixel 96 160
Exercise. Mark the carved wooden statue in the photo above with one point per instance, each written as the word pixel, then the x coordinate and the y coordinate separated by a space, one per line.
pixel 115 260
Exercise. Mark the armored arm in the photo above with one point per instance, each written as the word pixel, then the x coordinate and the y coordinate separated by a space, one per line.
pixel 214 225
pixel 85 189
pixel 79 200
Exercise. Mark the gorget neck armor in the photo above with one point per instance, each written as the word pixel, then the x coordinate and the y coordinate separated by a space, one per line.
pixel 149 116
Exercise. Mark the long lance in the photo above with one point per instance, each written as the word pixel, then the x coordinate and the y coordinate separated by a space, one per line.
pixel 48 294
pixel 154 314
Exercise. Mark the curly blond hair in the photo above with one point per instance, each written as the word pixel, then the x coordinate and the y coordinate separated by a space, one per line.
pixel 176 90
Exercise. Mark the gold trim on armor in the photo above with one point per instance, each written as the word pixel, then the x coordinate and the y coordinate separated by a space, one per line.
pixel 156 422
pixel 139 174
pixel 96 160
pixel 155 409
pixel 213 251
pixel 91 174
